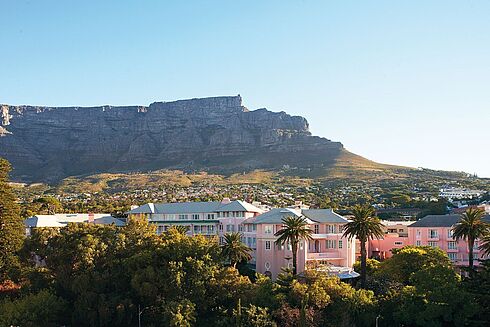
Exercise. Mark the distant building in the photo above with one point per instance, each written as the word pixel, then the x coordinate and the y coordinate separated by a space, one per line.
pixel 459 193
pixel 61 220
pixel 436 231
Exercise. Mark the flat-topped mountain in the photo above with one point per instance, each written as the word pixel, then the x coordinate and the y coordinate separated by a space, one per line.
pixel 215 134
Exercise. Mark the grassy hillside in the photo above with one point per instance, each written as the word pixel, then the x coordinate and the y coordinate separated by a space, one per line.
pixel 347 168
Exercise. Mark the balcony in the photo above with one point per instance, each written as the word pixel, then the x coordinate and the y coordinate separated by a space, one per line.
pixel 325 255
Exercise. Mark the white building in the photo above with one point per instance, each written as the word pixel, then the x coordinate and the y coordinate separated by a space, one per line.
pixel 61 220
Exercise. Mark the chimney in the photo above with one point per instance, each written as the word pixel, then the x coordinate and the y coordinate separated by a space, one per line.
pixel 225 201
pixel 91 219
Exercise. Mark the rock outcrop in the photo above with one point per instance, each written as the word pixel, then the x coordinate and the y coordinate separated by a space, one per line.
pixel 216 134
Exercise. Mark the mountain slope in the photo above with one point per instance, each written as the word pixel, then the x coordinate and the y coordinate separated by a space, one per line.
pixel 214 134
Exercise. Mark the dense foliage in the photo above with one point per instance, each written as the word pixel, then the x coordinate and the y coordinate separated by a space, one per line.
pixel 11 227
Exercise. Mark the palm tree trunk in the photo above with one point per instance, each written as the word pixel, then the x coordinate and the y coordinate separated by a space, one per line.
pixel 294 247
pixel 363 264
pixel 471 243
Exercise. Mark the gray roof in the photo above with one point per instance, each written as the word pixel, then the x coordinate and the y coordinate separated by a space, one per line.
pixel 274 216
pixel 323 216
pixel 195 207
pixel 440 221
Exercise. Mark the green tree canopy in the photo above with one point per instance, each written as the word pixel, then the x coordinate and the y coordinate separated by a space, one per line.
pixel 12 231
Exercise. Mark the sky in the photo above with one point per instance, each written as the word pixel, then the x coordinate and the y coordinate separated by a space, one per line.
pixel 399 82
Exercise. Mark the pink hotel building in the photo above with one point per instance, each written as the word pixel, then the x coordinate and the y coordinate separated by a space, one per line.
pixel 327 250
pixel 432 230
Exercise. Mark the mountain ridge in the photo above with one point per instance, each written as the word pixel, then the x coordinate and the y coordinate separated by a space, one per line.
pixel 212 134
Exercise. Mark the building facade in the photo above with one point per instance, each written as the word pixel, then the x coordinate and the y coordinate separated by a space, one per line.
pixel 326 249
pixel 436 231
pixel 201 218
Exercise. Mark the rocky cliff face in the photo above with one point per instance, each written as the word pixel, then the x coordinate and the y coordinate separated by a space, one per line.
pixel 217 134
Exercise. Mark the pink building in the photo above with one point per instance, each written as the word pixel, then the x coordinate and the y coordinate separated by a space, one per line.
pixel 396 237
pixel 327 248
pixel 436 231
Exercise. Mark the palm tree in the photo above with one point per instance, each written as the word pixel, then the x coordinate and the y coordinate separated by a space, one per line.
pixel 295 229
pixel 485 245
pixel 234 250
pixel 363 226
pixel 469 228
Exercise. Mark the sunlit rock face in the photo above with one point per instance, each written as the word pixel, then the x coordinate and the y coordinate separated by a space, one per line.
pixel 217 134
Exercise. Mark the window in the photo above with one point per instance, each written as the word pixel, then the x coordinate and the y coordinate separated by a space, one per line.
pixel 340 244
pixel 398 243
pixel 220 227
pixel 331 229
pixel 249 228
pixel 267 245
pixel 450 233
pixel 418 243
pixel 182 217
pixel 400 230
pixel 249 241
pixel 210 215
pixel 433 233
pixel 240 228
pixel 254 242
pixel 268 229
pixel 453 256
pixel 451 245
pixel 391 230
pixel 230 228
pixel 195 216
pixel 317 229
pixel 433 244
pixel 331 244
pixel 210 229
pixel 254 228
pixel 289 246
pixel 418 233
pixel 476 245
pixel 197 229
pixel 267 266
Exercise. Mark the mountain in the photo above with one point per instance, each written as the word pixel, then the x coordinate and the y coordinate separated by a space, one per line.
pixel 215 134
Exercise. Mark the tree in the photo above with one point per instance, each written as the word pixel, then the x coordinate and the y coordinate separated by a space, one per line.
pixel 234 250
pixel 485 243
pixel 469 228
pixel 49 205
pixel 41 309
pixel 12 231
pixel 181 229
pixel 410 259
pixel 295 229
pixel 363 226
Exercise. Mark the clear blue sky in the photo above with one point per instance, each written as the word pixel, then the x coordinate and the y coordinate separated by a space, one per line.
pixel 401 82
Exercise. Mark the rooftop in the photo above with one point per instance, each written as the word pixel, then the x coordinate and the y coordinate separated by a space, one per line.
pixel 441 221
pixel 61 220
pixel 195 207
